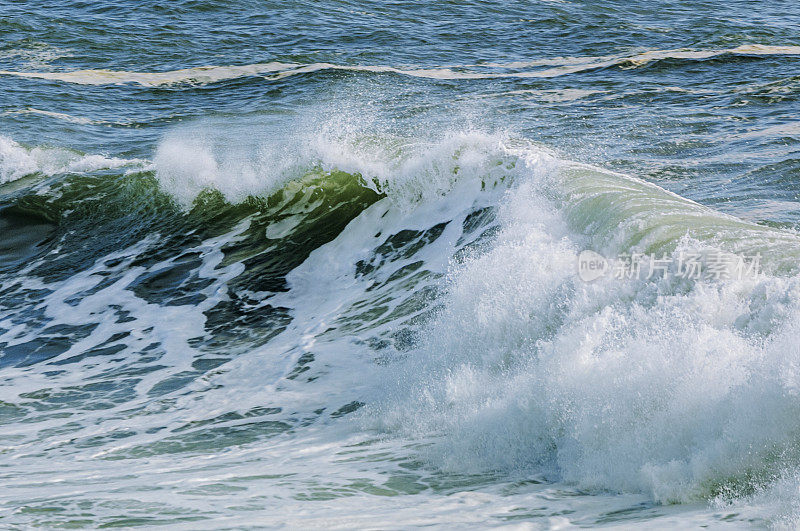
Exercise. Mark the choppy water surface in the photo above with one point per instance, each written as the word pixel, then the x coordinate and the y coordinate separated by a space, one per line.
pixel 314 264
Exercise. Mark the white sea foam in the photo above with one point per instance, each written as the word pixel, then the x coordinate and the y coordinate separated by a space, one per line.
pixel 17 161
pixel 684 391
pixel 58 116
pixel 36 54
pixel 197 75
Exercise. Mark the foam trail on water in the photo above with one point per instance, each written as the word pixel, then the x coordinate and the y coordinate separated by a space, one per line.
pixel 559 66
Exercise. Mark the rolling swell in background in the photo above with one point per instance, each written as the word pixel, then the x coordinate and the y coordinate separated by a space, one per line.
pixel 334 282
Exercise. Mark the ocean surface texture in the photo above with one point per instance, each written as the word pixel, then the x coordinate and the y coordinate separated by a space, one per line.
pixel 315 264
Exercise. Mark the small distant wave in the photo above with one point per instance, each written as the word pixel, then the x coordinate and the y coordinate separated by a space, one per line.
pixel 542 68
pixel 198 75
pixel 17 161
pixel 57 115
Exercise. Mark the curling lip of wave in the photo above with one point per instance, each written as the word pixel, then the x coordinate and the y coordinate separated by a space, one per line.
pixel 558 66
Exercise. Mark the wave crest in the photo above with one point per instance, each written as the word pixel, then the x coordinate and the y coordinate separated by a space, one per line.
pixel 189 161
pixel 17 161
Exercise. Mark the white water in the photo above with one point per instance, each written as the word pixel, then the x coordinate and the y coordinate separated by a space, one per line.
pixel 682 391
pixel 554 398
pixel 17 161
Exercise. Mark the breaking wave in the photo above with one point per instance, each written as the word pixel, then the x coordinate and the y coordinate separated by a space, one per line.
pixel 17 161
pixel 430 284
pixel 681 389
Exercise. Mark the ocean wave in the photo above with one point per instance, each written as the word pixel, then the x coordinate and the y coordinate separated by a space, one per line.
pixel 683 390
pixel 409 171
pixel 197 75
pixel 679 389
pixel 616 212
pixel 543 68
pixel 57 115
pixel 17 161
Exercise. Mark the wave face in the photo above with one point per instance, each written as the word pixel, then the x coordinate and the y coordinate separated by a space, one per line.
pixel 342 282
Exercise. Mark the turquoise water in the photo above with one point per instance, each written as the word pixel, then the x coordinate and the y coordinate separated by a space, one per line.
pixel 315 265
